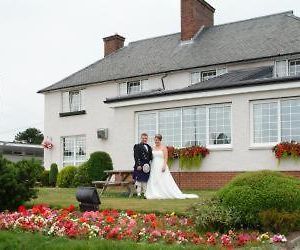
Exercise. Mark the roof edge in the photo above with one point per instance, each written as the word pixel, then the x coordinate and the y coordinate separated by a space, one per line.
pixel 164 72
pixel 247 83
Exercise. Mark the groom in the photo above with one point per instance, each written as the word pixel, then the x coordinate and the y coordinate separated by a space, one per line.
pixel 142 159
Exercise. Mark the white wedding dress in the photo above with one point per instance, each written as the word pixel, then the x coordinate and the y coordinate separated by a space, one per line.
pixel 161 185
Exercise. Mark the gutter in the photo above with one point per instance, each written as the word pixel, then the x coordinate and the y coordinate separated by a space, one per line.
pixel 266 81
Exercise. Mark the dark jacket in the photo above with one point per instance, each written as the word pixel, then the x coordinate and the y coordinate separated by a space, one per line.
pixel 141 157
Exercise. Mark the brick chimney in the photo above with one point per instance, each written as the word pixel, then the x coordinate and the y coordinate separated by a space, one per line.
pixel 113 43
pixel 194 15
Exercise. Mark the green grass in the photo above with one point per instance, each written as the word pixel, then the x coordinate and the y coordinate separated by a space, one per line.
pixel 29 241
pixel 63 197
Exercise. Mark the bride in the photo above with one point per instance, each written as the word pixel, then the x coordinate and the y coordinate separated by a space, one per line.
pixel 161 184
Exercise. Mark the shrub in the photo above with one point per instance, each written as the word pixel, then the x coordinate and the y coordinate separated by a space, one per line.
pixel 97 164
pixel 211 216
pixel 17 182
pixel 66 176
pixel 45 178
pixel 284 222
pixel 53 174
pixel 82 177
pixel 250 193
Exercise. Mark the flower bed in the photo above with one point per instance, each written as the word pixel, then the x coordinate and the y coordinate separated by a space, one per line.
pixel 124 225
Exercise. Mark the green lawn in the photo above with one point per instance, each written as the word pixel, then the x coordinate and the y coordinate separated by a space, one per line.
pixel 63 197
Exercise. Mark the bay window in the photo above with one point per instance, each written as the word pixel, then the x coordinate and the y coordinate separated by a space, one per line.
pixel 208 125
pixel 274 121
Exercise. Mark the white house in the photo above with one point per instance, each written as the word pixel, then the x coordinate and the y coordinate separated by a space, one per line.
pixel 234 88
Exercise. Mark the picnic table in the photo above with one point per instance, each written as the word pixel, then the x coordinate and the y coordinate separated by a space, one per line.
pixel 121 179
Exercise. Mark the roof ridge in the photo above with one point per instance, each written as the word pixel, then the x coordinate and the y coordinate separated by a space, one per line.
pixel 290 12
pixel 153 37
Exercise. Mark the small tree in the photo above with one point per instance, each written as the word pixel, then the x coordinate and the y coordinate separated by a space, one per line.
pixel 31 136
pixel 66 176
pixel 82 177
pixel 53 174
pixel 17 182
pixel 97 164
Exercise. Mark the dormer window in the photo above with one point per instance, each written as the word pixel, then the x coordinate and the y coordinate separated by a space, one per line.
pixel 201 76
pixel 206 75
pixel 133 87
pixel 294 67
pixel 287 68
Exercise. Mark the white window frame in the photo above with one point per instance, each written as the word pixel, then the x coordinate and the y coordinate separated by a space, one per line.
pixel 279 134
pixel 74 162
pixel 68 105
pixel 289 65
pixel 219 72
pixel 143 87
pixel 209 146
pixel 286 68
pixel 208 71
pixel 191 77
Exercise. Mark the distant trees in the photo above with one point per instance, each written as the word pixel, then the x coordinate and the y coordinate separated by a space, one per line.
pixel 31 136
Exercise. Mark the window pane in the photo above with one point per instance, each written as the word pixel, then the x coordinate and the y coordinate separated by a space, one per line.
pixel 74 101
pixel 134 87
pixel 265 122
pixel 74 150
pixel 290 120
pixel 195 77
pixel 294 67
pixel 147 124
pixel 281 68
pixel 220 125
pixel 205 75
pixel 194 126
pixel 170 127
pixel 123 88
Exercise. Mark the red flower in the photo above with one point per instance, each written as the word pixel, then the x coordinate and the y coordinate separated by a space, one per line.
pixel 22 210
pixel 71 208
pixel 130 212
pixel 110 219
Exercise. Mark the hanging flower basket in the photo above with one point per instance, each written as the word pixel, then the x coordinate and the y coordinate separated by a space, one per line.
pixel 47 144
pixel 189 157
pixel 285 150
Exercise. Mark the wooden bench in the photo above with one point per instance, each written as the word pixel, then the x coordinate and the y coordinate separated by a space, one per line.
pixel 100 184
pixel 109 182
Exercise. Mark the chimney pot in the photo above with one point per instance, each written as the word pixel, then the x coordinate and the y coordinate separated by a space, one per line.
pixel 194 15
pixel 113 43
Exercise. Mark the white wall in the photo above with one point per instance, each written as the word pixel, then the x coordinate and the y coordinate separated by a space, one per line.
pixel 240 158
pixel 121 124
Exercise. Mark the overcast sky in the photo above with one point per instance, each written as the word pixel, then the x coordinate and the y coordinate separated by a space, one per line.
pixel 43 41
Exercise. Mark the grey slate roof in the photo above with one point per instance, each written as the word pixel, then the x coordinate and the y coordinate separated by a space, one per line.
pixel 233 79
pixel 260 37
